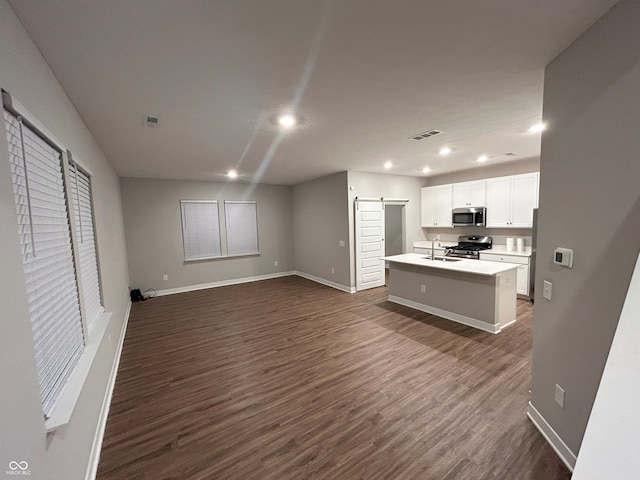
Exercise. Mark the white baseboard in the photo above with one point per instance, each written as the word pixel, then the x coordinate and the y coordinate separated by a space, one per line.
pixel 222 283
pixel 561 448
pixel 94 458
pixel 328 283
pixel 456 317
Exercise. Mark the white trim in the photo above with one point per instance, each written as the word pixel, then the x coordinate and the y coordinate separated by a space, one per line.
pixel 456 317
pixel 25 113
pixel 508 324
pixel 66 403
pixel 222 283
pixel 96 447
pixel 561 448
pixel 328 283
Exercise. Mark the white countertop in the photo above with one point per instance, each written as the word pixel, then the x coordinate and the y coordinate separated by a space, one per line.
pixel 476 267
pixel 496 249
pixel 502 250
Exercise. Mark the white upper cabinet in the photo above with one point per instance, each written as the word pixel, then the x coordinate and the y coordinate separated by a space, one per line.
pixel 469 194
pixel 511 200
pixel 436 205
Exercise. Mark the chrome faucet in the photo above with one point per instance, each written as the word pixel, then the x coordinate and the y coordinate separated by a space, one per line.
pixel 433 241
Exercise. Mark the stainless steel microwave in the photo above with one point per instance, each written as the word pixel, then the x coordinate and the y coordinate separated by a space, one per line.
pixel 469 216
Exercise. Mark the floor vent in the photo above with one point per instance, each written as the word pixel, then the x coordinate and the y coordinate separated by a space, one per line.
pixel 422 136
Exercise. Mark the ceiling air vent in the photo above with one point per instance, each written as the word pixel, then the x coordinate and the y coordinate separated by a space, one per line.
pixel 422 136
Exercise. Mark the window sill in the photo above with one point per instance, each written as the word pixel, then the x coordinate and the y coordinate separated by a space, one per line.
pixel 61 413
pixel 221 257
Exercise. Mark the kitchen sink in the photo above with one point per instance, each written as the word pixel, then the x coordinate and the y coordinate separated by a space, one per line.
pixel 444 259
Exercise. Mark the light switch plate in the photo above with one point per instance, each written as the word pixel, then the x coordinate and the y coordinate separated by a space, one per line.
pixel 546 290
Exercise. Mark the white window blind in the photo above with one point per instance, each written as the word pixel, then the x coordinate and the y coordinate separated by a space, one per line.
pixel 45 237
pixel 80 182
pixel 200 229
pixel 241 220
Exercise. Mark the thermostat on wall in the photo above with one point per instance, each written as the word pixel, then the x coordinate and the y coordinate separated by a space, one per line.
pixel 563 257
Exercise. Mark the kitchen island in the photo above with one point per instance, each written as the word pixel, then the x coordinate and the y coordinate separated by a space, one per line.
pixel 473 292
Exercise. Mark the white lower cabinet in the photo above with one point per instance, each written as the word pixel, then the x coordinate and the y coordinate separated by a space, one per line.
pixel 522 274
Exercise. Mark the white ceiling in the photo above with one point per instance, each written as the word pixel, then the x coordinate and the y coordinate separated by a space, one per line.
pixel 364 75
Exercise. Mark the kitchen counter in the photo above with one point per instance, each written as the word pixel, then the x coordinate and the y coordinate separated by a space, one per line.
pixel 472 292
pixel 474 267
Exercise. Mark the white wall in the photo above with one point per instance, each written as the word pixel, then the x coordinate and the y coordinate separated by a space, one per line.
pixel 320 222
pixel 590 202
pixel 153 227
pixel 65 455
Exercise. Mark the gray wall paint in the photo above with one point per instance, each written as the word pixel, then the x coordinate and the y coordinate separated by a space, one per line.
pixel 393 239
pixel 526 165
pixel 153 229
pixel 320 222
pixel 364 185
pixel 589 201
pixel 25 74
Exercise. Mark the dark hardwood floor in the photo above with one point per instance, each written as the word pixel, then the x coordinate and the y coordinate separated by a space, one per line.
pixel 288 379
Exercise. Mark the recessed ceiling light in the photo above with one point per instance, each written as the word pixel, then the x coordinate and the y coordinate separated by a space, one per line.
pixel 482 159
pixel 388 164
pixel 445 151
pixel 537 128
pixel 426 170
pixel 232 174
pixel 287 120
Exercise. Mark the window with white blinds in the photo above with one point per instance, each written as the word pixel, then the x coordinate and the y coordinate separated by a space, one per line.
pixel 80 186
pixel 45 238
pixel 200 229
pixel 241 221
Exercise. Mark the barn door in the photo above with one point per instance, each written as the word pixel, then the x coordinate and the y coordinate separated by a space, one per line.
pixel 369 244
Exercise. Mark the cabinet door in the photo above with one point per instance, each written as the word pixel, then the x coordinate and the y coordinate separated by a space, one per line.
pixel 461 195
pixel 499 202
pixel 525 198
pixel 522 280
pixel 429 206
pixel 477 194
pixel 469 194
pixel 444 206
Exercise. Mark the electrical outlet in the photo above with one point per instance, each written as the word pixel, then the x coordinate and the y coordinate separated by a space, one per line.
pixel 341 243
pixel 165 277
pixel 560 395
pixel 333 270
pixel 275 264
pixel 546 290
pixel 423 288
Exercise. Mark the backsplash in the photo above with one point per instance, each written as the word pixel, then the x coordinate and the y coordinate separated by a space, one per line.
pixel 499 235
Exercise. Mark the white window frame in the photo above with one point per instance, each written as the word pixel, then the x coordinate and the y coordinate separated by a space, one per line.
pixel 194 230
pixel 63 407
pixel 246 230
pixel 85 243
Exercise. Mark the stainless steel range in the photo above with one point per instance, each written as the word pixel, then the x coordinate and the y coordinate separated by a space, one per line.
pixel 469 246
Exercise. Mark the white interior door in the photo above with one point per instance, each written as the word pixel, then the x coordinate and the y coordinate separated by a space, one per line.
pixel 369 244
